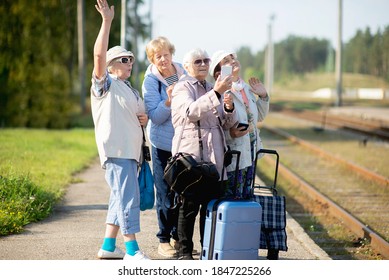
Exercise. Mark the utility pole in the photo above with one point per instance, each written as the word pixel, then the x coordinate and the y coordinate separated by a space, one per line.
pixel 151 18
pixel 135 29
pixel 81 51
pixel 270 57
pixel 338 61
pixel 123 24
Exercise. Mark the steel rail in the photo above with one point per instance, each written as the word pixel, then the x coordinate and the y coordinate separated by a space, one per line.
pixel 368 174
pixel 377 242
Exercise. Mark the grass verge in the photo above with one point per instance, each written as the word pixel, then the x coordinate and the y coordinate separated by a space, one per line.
pixel 35 169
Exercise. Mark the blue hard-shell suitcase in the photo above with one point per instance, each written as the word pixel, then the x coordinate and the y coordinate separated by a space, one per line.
pixel 232 228
pixel 235 234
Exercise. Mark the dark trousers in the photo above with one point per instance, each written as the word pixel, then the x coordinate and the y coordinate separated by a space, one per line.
pixel 167 218
pixel 186 222
pixel 187 214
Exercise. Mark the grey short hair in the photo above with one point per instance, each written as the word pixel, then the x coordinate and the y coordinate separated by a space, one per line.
pixel 190 56
pixel 109 67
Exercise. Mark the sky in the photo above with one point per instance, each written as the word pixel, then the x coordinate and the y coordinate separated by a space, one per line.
pixel 231 24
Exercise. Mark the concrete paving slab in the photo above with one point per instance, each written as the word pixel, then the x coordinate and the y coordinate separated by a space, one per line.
pixel 76 228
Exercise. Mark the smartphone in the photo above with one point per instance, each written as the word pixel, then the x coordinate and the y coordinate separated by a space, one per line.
pixel 243 126
pixel 146 153
pixel 226 71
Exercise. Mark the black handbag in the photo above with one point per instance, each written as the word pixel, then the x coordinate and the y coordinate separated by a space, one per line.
pixel 187 177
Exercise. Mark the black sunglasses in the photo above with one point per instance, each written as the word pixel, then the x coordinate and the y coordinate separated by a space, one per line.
pixel 125 60
pixel 199 62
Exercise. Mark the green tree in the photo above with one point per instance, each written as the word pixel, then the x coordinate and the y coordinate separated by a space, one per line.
pixel 300 55
pixel 38 59
pixel 368 53
pixel 250 65
pixel 35 63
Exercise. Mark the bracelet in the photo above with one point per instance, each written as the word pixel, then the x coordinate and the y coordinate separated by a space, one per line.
pixel 229 110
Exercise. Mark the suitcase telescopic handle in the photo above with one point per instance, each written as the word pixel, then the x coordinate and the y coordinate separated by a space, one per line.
pixel 232 153
pixel 237 153
pixel 220 200
pixel 267 151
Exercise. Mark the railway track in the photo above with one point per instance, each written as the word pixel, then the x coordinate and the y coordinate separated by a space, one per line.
pixel 368 174
pixel 334 191
pixel 369 128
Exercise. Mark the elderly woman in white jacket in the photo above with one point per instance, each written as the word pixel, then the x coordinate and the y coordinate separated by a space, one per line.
pixel 193 100
pixel 252 105
pixel 118 114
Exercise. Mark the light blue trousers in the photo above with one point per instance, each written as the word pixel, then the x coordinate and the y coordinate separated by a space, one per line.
pixel 124 206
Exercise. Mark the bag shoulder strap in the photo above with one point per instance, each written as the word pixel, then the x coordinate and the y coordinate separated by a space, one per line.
pixel 199 134
pixel 182 132
pixel 159 86
pixel 144 138
pixel 200 141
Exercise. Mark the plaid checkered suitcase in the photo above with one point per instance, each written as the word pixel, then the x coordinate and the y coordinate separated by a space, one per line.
pixel 273 229
pixel 232 228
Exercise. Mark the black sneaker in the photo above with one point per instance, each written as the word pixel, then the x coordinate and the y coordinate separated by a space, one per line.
pixel 186 257
pixel 272 254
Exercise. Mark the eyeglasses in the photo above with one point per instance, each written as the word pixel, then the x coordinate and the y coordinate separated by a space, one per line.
pixel 229 59
pixel 199 62
pixel 125 60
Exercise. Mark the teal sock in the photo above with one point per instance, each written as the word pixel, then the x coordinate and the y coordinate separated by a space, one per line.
pixel 109 244
pixel 131 247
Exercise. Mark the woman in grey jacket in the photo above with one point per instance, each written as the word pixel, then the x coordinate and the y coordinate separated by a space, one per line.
pixel 195 103
pixel 160 78
pixel 251 105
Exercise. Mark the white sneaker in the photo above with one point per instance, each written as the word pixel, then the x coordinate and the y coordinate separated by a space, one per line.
pixel 139 256
pixel 104 254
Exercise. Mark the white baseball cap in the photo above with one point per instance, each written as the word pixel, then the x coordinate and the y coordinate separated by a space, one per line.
pixel 117 51
pixel 216 58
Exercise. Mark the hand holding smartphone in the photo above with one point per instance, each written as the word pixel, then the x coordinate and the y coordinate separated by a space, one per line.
pixel 226 71
pixel 243 126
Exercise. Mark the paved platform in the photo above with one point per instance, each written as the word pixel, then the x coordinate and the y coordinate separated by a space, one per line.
pixel 76 228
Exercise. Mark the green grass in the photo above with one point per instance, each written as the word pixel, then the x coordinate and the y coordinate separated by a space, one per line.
pixel 35 168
